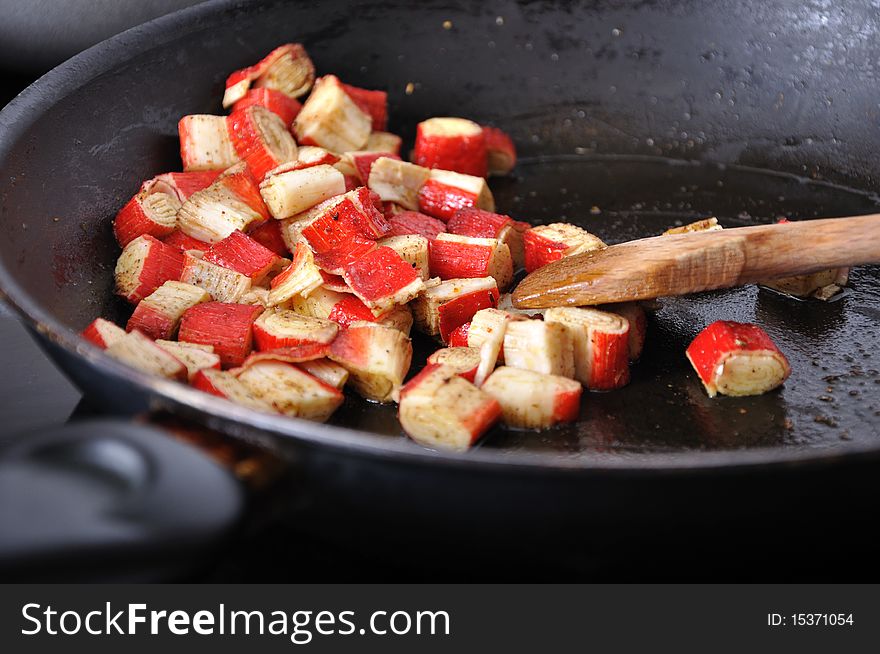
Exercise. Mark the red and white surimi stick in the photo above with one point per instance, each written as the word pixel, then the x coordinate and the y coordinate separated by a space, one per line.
pixel 327 371
pixel 244 255
pixel 283 106
pixel 379 141
pixel 226 385
pixel 258 296
pixel 539 346
pixel 290 193
pixel 231 203
pixel 350 309
pixel 534 400
pixel 331 119
pixel 454 144
pixel 340 219
pixel 377 357
pixel 638 325
pixel 413 222
pixel 446 192
pixel 464 360
pixel 194 357
pixel 440 409
pixel 183 242
pixel 158 315
pixel 486 224
pixel 290 390
pixel 268 234
pixel 286 69
pixel 301 277
pixel 319 303
pixel 442 308
pixel 144 265
pixel 291 354
pixel 103 333
pixel 398 181
pixel 152 211
pixel 454 257
pixel 334 283
pixel 501 151
pixel 601 345
pixel 546 243
pixel 261 139
pixel 142 353
pixel 413 249
pixel 227 327
pixel 374 103
pixel 184 185
pixel 205 143
pixel 277 328
pixel 382 279
pixel 735 358
pixel 486 332
pixel 224 284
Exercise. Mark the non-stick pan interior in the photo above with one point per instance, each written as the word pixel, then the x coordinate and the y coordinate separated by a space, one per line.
pixel 630 118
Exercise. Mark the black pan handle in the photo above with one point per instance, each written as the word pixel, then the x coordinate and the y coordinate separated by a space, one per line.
pixel 110 500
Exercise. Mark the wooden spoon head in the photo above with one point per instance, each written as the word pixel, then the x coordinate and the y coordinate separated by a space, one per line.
pixel 637 270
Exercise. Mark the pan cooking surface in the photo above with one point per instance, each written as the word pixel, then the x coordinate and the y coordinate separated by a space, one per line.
pixel 833 394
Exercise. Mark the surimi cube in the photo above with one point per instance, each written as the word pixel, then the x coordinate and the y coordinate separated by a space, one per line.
pixel 455 144
pixel 734 358
pixel 821 285
pixel 277 328
pixel 486 332
pixel 194 357
pixel 413 222
pixel 454 256
pixel 501 151
pixel 231 203
pixel 398 181
pixel 301 277
pixel 486 224
pixel 152 211
pixel 183 185
pixel 362 162
pixel 442 308
pixel 440 409
pixel 464 360
pixel 158 314
pixel 319 303
pixel 382 279
pixel 289 193
pixel 539 346
pixel 350 309
pixel 331 119
pixel 205 143
pixel 601 345
pixel 290 390
pixel 377 357
pixel 459 335
pixel 337 221
pixel 268 234
pixel 446 192
pixel 142 353
pixel 373 103
pixel 144 265
pixel 103 333
pixel 287 69
pixel 224 284
pixel 383 142
pixel 546 243
pixel 258 296
pixel 327 371
pixel 292 354
pixel 244 255
pixel 227 327
pixel 638 325
pixel 283 106
pixel 260 139
pixel 534 400
pixel 226 385
pixel 413 249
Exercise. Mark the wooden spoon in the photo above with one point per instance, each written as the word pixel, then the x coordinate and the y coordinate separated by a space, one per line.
pixel 686 263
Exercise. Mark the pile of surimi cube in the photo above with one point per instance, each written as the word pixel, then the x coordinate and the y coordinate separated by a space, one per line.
pixel 297 250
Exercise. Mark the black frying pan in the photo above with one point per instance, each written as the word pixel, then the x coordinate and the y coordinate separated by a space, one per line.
pixel 629 117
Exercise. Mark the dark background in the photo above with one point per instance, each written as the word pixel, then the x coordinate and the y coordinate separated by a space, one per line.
pixel 296 532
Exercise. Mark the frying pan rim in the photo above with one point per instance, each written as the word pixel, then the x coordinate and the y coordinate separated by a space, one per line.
pixel 80 70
